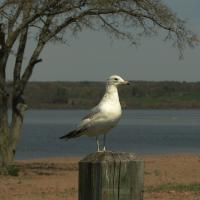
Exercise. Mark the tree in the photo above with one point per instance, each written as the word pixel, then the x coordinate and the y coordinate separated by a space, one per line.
pixel 43 21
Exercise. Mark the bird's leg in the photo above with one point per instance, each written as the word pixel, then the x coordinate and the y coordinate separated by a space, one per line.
pixel 104 142
pixel 97 140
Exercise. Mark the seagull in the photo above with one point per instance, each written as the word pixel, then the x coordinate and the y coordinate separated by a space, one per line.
pixel 104 116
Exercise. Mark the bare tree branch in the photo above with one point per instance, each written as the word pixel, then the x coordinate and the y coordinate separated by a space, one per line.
pixel 113 28
pixel 21 48
pixel 2 54
pixel 6 3
pixel 41 43
pixel 14 18
pixel 2 38
pixel 29 69
pixel 40 12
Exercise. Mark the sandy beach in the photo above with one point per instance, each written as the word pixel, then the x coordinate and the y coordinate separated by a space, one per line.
pixel 167 177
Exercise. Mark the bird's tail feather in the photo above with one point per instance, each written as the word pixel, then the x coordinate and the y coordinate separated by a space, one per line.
pixel 72 134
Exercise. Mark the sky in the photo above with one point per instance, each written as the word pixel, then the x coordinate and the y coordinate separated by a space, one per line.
pixel 94 57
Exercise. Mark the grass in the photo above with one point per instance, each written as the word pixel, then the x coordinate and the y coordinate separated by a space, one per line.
pixel 156 172
pixel 193 187
pixel 10 170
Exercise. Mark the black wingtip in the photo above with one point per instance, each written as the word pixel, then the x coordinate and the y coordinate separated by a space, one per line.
pixel 63 137
pixel 72 134
pixel 68 135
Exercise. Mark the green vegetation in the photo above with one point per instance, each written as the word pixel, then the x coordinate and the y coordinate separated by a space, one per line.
pixel 10 170
pixel 193 187
pixel 140 95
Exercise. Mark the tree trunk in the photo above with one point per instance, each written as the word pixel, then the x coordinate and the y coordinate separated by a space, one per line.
pixel 10 136
pixel 4 127
pixel 7 156
pixel 16 126
pixel 4 130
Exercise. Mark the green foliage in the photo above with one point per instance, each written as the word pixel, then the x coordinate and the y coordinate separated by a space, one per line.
pixel 193 187
pixel 13 170
pixel 10 170
pixel 156 172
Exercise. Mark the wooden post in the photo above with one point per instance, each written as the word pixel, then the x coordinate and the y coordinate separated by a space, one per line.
pixel 111 176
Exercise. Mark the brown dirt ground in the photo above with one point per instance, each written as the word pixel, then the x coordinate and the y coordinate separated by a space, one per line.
pixel 57 178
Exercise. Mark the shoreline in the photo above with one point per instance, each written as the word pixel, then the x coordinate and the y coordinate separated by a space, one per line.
pixel 74 157
pixel 124 109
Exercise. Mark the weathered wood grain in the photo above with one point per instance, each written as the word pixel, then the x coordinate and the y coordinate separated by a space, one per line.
pixel 111 176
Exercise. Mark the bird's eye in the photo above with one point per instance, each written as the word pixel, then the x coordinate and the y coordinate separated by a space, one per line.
pixel 116 79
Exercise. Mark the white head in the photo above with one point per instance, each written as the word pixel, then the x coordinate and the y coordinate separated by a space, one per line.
pixel 117 80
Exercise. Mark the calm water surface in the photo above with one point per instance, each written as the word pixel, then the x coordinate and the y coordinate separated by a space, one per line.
pixel 139 131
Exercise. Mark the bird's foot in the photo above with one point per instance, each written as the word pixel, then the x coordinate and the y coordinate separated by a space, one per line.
pixel 98 149
pixel 102 150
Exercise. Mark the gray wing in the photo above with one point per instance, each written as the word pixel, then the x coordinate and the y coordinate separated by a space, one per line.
pixel 92 113
pixel 90 118
pixel 85 124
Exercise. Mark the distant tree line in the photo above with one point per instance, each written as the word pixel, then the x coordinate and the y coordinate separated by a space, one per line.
pixel 140 95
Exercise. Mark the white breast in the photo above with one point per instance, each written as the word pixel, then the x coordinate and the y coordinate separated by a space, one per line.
pixel 108 115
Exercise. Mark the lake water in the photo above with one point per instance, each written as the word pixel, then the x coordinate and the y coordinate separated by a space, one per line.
pixel 139 131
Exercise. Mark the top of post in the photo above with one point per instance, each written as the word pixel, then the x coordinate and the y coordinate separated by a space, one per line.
pixel 109 156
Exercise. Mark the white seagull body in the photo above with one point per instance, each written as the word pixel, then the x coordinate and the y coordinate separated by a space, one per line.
pixel 102 117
